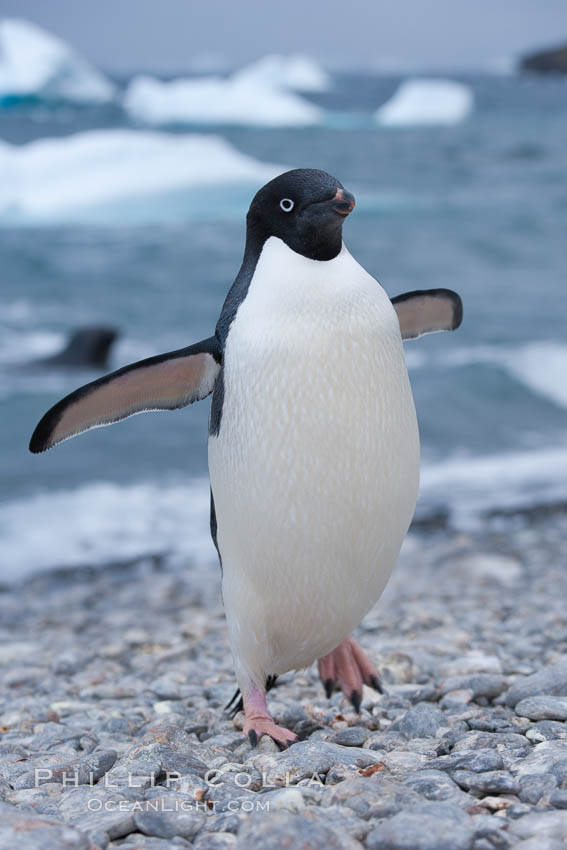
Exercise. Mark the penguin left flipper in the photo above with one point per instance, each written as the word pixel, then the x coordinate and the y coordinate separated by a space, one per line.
pixel 165 382
pixel 427 311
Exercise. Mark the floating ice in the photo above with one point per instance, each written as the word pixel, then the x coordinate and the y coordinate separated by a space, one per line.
pixel 103 522
pixel 36 64
pixel 426 101
pixel 296 72
pixel 507 481
pixel 246 98
pixel 52 178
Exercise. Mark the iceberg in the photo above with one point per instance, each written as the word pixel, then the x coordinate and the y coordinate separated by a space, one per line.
pixel 248 97
pixel 295 72
pixel 58 178
pixel 426 101
pixel 36 64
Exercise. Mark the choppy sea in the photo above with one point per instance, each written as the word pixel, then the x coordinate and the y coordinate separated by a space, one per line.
pixel 480 207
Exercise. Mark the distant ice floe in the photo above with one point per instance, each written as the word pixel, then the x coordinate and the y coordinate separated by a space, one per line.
pixel 257 95
pixel 295 72
pixel 501 482
pixel 53 178
pixel 102 523
pixel 36 64
pixel 426 102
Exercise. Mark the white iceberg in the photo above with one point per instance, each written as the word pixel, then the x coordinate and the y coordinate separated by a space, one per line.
pixel 295 72
pixel 427 101
pixel 245 98
pixel 52 178
pixel 34 63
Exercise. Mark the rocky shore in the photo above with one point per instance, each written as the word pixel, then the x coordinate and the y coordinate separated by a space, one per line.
pixel 113 734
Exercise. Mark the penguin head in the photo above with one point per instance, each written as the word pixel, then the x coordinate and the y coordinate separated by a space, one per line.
pixel 305 208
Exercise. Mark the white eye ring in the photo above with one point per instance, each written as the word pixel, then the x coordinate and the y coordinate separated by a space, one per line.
pixel 286 204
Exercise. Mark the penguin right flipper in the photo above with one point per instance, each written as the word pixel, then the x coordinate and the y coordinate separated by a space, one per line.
pixel 426 311
pixel 165 382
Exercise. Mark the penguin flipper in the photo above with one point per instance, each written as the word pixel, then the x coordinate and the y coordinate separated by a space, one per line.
pixel 427 311
pixel 165 382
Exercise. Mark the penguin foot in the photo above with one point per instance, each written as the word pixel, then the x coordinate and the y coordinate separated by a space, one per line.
pixel 258 721
pixel 255 727
pixel 348 667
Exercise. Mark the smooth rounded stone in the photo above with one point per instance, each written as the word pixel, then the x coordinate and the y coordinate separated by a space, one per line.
pixel 421 721
pixel 387 741
pixel 279 830
pixel 339 773
pixel 491 829
pixel 558 798
pixel 284 799
pixel 549 680
pixel 428 826
pixel 473 662
pixel 436 786
pixel 414 692
pixel 541 843
pixel 541 759
pixel 456 699
pixel 546 730
pixel 163 748
pixel 353 736
pixel 137 841
pixel 489 782
pixel 306 759
pixel 552 824
pixel 26 830
pixel 532 788
pixel 373 797
pixel 476 761
pixel 79 771
pixel 169 824
pixel 97 809
pixel 544 707
pixel 483 740
pixel 493 720
pixel 401 763
pixel 215 841
pixel 489 685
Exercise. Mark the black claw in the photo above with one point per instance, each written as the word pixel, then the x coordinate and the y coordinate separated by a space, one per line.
pixel 253 737
pixel 375 683
pixel 329 687
pixel 356 699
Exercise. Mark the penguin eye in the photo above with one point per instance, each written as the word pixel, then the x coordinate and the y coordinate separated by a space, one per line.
pixel 286 204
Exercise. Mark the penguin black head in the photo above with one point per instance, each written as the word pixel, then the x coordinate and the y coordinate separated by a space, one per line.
pixel 305 208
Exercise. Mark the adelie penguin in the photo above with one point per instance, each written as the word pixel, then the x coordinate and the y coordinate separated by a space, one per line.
pixel 313 437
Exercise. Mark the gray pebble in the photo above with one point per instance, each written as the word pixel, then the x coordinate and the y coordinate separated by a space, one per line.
pixel 428 826
pixel 353 736
pixel 421 721
pixel 551 824
pixel 305 760
pixel 543 707
pixel 490 782
pixel 25 830
pixel 294 831
pixel 487 685
pixel 532 788
pixel 371 797
pixel 548 680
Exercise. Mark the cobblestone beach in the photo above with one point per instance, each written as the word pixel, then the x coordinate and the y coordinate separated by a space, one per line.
pixel 113 733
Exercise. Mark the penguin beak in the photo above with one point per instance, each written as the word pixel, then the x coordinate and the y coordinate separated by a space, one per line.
pixel 343 202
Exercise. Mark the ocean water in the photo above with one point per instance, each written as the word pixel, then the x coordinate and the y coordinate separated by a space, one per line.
pixel 480 207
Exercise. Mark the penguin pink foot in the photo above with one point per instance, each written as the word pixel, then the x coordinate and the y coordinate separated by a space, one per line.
pixel 259 722
pixel 350 667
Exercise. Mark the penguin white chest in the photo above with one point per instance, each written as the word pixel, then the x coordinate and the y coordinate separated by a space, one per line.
pixel 315 467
